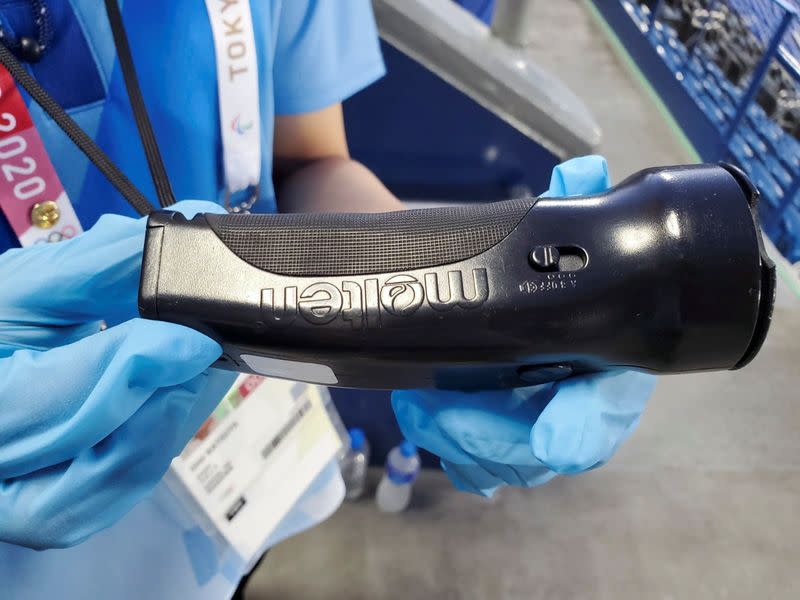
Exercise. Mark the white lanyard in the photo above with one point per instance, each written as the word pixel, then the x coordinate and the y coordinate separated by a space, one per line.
pixel 237 82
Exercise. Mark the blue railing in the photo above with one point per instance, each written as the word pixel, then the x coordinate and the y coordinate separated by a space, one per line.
pixel 728 121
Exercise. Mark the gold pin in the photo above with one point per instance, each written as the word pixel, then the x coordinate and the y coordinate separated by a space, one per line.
pixel 45 215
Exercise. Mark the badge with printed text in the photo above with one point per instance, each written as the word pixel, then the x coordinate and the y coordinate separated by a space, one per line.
pixel 255 456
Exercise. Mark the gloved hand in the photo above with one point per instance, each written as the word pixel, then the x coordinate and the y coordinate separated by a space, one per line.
pixel 90 419
pixel 524 437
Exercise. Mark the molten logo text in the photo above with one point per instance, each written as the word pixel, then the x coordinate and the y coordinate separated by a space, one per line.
pixel 363 303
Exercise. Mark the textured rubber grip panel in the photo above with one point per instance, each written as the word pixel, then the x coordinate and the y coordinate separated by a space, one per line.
pixel 331 244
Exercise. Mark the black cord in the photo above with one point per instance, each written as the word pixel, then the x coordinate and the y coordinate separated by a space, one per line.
pixel 154 161
pixel 86 144
pixel 95 154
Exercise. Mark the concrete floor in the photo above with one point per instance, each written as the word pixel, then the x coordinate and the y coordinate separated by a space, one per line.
pixel 702 502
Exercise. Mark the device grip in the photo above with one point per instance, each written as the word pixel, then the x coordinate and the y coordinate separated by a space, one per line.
pixel 332 244
pixel 665 272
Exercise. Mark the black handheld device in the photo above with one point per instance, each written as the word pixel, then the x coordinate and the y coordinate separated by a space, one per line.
pixel 665 273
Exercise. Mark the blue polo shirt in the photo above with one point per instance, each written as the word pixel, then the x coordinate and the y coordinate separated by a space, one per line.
pixel 311 54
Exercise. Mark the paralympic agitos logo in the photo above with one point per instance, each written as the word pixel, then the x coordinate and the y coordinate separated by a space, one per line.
pixel 362 303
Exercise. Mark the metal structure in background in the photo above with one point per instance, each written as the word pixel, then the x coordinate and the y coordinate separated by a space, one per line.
pixel 460 49
pixel 729 72
pixel 513 21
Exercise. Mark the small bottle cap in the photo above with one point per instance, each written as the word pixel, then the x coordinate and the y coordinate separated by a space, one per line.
pixel 357 438
pixel 407 449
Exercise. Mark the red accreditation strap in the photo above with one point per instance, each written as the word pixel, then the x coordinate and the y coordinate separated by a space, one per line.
pixel 31 194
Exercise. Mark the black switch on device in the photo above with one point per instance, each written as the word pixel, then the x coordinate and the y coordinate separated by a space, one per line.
pixel 545 258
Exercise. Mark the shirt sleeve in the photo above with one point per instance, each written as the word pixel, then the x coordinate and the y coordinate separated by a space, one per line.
pixel 325 51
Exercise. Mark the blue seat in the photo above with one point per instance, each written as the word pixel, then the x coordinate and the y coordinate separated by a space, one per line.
pixel 791 239
pixel 754 141
pixel 741 149
pixel 483 9
pixel 768 153
pixel 770 190
pixel 712 89
pixel 635 10
pixel 676 46
pixel 672 58
pixel 711 109
pixel 657 35
pixel 789 152
pixel 776 169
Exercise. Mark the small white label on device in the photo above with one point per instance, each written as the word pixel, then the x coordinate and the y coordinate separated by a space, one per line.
pixel 291 369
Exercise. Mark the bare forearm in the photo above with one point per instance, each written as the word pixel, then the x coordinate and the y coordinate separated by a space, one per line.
pixel 333 185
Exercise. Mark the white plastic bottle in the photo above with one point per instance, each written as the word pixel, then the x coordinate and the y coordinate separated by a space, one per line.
pixel 336 421
pixel 354 465
pixel 402 468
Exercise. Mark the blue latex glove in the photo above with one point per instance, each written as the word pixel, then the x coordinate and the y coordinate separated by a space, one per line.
pixel 90 419
pixel 524 437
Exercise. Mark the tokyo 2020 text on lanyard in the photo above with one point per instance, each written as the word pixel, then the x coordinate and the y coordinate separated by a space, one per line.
pixel 31 194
